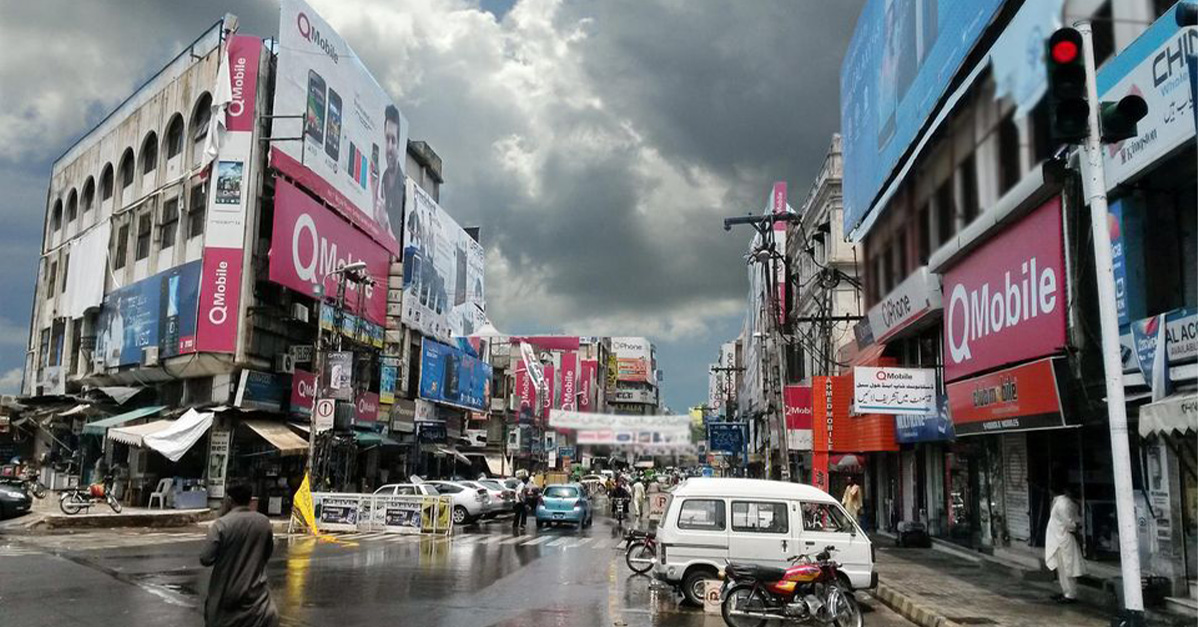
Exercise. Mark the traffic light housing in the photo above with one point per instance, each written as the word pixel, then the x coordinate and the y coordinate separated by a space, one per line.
pixel 1068 108
pixel 1119 118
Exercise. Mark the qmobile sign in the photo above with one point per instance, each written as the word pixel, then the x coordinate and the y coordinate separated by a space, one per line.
pixel 1006 302
pixel 310 241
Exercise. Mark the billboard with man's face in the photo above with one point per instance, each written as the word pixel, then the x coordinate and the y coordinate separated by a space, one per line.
pixel 352 138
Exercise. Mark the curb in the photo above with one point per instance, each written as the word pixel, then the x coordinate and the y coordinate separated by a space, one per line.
pixel 909 609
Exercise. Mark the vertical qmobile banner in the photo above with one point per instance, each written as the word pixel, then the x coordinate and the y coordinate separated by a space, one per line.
pixel 228 197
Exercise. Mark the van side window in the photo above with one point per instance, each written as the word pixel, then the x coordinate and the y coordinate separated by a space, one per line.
pixel 826 517
pixel 759 517
pixel 701 515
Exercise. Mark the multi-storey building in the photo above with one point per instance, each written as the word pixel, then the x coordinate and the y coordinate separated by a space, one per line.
pixel 960 198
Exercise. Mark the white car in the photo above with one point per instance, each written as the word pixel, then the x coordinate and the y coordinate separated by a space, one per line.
pixel 407 489
pixel 500 497
pixel 709 522
pixel 469 503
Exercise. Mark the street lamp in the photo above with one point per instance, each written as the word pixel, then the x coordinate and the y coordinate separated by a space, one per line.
pixel 353 270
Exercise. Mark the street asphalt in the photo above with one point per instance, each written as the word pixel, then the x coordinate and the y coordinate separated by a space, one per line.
pixel 483 576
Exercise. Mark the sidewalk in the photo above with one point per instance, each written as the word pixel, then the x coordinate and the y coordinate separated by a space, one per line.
pixel 937 589
pixel 46 515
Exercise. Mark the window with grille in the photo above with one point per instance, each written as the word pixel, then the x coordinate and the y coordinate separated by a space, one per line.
pixel 196 209
pixel 144 228
pixel 170 223
pixel 120 253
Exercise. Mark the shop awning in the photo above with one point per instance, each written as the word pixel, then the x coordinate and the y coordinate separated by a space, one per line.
pixel 100 426
pixel 370 438
pixel 1173 414
pixel 449 450
pixel 178 437
pixel 134 435
pixel 279 435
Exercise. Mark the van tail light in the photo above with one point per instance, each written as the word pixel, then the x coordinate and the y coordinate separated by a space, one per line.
pixel 873 553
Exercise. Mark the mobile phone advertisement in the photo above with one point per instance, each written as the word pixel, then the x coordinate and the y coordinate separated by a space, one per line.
pixel 350 139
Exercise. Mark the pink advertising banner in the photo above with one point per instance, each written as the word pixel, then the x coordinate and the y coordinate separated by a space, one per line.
pixel 366 407
pixel 310 241
pixel 303 392
pixel 221 270
pixel 549 342
pixel 1006 302
pixel 586 385
pixel 569 380
pixel 526 396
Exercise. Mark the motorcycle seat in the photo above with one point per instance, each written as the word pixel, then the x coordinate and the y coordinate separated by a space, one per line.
pixel 738 570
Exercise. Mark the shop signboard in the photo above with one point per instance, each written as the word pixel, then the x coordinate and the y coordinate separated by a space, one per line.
pixel 388 371
pixel 311 242
pixel 1006 301
pixel 1154 68
pixel 403 415
pixel 224 222
pixel 586 384
pixel 568 452
pixel 797 399
pixel 569 376
pixel 726 437
pixel 1181 339
pixel 303 392
pixel 442 273
pixel 366 408
pixel 1022 398
pixel 218 460
pixel 431 432
pixel 633 358
pixel 339 372
pixel 451 377
pixel 902 58
pixel 635 395
pixel 159 311
pixel 917 296
pixel 352 147
pixel 894 390
pixel 264 391
pixel 301 353
pixel 931 427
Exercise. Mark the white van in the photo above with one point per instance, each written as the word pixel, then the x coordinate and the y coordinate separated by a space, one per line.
pixel 710 521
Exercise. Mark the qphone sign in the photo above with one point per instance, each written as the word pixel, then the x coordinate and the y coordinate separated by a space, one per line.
pixel 1006 302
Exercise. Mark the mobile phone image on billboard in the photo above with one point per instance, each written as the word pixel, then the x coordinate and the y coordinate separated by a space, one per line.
pixel 314 120
pixel 332 144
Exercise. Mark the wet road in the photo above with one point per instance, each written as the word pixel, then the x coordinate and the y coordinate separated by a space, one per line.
pixel 485 576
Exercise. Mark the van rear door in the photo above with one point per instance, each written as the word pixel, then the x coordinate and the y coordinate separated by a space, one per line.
pixel 827 524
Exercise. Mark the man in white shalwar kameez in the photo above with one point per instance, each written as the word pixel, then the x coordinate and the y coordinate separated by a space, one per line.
pixel 1062 552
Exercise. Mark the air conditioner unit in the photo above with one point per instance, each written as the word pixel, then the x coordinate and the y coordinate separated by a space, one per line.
pixel 149 356
pixel 299 311
pixel 285 363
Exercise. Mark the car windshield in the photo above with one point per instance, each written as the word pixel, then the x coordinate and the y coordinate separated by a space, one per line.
pixel 493 485
pixel 561 492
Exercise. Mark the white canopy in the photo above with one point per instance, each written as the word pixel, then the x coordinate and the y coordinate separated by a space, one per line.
pixel 1176 413
pixel 171 438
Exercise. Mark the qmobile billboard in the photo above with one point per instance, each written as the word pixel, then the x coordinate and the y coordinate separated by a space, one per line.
pixel 353 139
pixel 443 272
pixel 1005 303
pixel 310 241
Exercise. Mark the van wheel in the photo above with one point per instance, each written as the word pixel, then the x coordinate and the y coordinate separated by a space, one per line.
pixel 693 586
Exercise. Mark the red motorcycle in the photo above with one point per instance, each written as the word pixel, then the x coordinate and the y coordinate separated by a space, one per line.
pixel 805 593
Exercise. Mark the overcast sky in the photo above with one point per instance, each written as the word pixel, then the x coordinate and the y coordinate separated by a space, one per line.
pixel 597 144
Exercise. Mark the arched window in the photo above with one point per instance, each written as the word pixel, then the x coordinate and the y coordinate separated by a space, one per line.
pixel 149 154
pixel 106 182
pixel 89 194
pixel 72 206
pixel 127 168
pixel 174 137
pixel 200 117
pixel 56 216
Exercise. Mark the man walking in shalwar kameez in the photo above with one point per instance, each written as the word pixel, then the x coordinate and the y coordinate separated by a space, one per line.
pixel 1062 552
pixel 238 546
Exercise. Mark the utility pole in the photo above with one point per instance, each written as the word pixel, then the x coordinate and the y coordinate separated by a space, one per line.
pixel 1129 554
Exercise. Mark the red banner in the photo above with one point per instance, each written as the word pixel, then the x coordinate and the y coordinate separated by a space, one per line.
pixel 798 406
pixel 367 407
pixel 586 385
pixel 569 380
pixel 1016 399
pixel 526 396
pixel 1006 302
pixel 303 392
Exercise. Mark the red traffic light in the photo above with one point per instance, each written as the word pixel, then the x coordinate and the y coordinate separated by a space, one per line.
pixel 1064 51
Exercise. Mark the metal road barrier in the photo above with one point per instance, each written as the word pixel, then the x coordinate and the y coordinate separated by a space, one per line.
pixel 345 511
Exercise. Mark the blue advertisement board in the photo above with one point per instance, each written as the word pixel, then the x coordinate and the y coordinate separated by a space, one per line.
pixel 156 311
pixel 902 57
pixel 449 376
pixel 936 427
pixel 726 437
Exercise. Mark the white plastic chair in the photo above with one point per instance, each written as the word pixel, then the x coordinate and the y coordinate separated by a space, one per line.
pixel 164 488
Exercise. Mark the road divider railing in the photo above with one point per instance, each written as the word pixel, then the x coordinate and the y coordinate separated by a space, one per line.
pixel 350 512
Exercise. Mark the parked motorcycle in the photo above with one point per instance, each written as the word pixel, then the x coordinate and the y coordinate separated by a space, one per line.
pixel 27 477
pixel 78 499
pixel 806 593
pixel 641 553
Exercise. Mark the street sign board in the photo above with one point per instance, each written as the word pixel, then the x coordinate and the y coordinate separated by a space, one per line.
pixel 322 414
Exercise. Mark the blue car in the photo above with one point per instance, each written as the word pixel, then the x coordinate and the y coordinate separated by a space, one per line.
pixel 564 503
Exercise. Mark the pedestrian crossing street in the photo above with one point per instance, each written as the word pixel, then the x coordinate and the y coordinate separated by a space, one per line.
pixel 555 541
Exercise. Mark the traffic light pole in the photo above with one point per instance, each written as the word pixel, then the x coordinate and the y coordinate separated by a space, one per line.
pixel 1129 554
